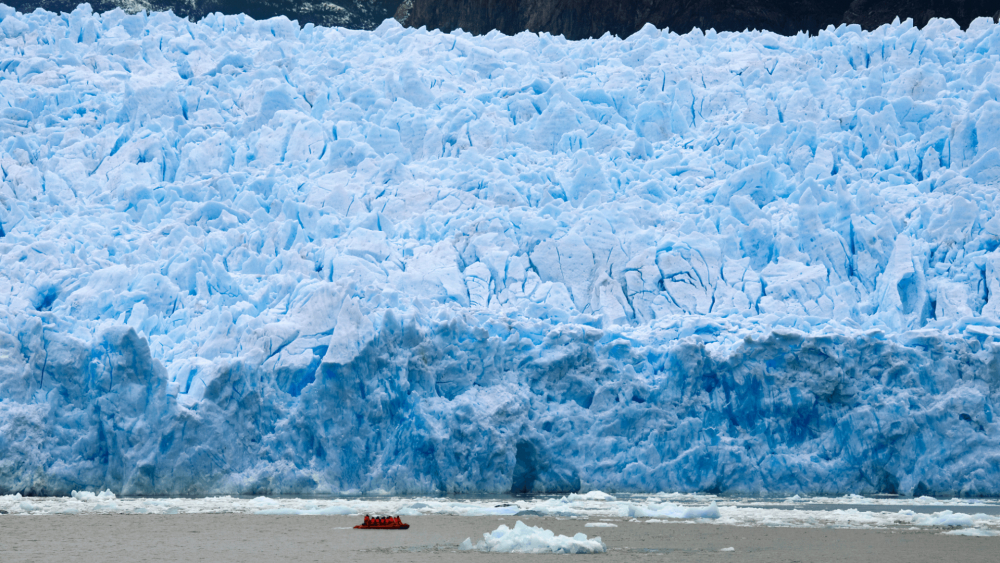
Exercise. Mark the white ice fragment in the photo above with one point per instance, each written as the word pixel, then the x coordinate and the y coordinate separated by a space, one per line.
pixel 87 496
pixel 326 511
pixel 974 532
pixel 533 539
pixel 668 510
pixel 591 495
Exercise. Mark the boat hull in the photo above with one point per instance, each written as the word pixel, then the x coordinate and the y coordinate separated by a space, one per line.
pixel 396 527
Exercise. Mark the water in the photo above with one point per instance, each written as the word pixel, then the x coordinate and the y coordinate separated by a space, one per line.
pixel 243 537
pixel 851 511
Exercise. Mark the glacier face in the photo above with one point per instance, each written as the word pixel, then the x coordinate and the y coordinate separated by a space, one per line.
pixel 246 257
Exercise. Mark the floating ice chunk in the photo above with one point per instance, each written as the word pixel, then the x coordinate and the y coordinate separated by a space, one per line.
pixel 325 511
pixel 947 518
pixel 675 511
pixel 592 495
pixel 532 539
pixel 87 496
pixel 600 525
pixel 728 549
pixel 974 532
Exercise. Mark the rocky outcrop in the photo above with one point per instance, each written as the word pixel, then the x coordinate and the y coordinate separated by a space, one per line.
pixel 577 19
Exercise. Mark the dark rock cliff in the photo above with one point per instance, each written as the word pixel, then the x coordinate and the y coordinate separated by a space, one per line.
pixel 578 19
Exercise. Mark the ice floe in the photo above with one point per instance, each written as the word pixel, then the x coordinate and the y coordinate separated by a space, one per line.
pixel 532 539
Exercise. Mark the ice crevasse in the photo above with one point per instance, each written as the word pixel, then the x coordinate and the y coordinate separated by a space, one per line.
pixel 250 257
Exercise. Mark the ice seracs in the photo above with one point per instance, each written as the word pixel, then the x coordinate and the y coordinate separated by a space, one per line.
pixel 248 257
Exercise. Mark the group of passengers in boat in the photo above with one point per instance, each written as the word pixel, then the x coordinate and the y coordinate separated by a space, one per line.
pixel 383 521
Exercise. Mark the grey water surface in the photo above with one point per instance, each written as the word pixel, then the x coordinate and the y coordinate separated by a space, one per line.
pixel 239 538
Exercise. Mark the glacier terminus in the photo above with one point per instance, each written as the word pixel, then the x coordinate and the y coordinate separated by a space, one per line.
pixel 252 257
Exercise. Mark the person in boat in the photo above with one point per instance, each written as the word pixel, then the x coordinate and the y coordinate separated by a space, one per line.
pixel 367 520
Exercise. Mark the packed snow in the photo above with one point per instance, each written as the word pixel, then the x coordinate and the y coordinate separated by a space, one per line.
pixel 247 257
pixel 533 539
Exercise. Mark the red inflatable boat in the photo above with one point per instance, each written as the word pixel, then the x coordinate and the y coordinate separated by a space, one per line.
pixel 383 523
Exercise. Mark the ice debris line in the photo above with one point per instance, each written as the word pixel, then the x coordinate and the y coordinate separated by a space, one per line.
pixel 533 539
pixel 956 516
pixel 247 257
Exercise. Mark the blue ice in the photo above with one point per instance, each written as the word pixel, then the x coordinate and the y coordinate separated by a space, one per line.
pixel 249 257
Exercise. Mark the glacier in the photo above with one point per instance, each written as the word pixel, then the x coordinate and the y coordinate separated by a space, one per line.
pixel 251 257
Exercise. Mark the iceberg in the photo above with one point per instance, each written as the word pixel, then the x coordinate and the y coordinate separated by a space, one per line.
pixel 244 257
pixel 669 510
pixel 533 539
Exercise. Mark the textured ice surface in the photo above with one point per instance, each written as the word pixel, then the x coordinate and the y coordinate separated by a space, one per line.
pixel 246 257
pixel 533 539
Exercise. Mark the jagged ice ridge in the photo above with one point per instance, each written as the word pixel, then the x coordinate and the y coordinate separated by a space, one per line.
pixel 246 257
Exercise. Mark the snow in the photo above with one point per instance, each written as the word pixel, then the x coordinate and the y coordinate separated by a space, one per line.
pixel 247 257
pixel 532 539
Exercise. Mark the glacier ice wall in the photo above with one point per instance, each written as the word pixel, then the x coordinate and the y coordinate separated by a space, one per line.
pixel 242 256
